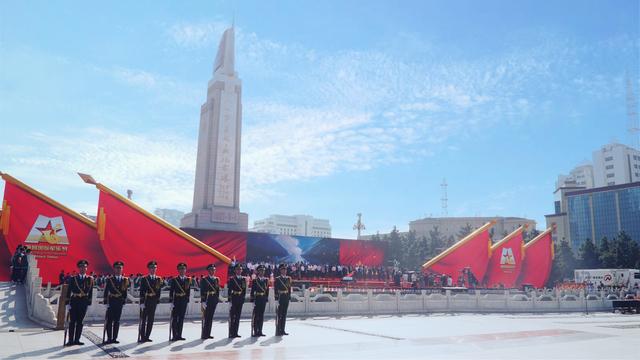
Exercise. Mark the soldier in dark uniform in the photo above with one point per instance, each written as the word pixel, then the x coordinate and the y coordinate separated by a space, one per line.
pixel 115 295
pixel 259 296
pixel 237 289
pixel 209 292
pixel 282 292
pixel 150 288
pixel 79 296
pixel 179 291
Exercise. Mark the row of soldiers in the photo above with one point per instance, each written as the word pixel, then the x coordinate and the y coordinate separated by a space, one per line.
pixel 79 295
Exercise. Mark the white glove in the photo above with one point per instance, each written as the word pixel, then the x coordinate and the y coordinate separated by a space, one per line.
pixel 107 306
pixel 171 306
pixel 68 308
pixel 141 306
pixel 204 306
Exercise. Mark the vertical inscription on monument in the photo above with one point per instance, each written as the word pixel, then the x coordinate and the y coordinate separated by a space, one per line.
pixel 224 191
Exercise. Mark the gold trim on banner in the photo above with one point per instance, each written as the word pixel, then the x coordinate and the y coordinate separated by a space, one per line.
pixel 10 179
pixel 460 243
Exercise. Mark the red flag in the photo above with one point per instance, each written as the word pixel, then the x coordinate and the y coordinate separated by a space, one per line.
pixel 131 234
pixel 56 235
pixel 538 258
pixel 472 251
pixel 506 260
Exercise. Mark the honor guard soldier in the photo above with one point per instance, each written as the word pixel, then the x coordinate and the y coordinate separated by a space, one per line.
pixel 259 296
pixel 179 291
pixel 150 289
pixel 79 295
pixel 115 295
pixel 237 288
pixel 282 292
pixel 209 291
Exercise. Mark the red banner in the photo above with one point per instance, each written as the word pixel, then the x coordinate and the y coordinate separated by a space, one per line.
pixel 56 235
pixel 506 261
pixel 471 252
pixel 538 258
pixel 355 252
pixel 231 243
pixel 131 234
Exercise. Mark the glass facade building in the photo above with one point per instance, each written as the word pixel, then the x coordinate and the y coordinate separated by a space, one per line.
pixel 606 211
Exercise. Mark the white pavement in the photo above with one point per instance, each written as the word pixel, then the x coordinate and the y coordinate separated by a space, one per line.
pixel 435 336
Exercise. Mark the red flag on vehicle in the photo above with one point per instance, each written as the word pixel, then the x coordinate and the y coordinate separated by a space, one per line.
pixel 471 252
pixel 538 258
pixel 129 233
pixel 506 260
pixel 56 235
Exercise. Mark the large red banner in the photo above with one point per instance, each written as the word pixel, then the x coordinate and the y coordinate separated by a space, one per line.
pixel 361 252
pixel 131 234
pixel 56 235
pixel 231 243
pixel 471 252
pixel 506 260
pixel 538 258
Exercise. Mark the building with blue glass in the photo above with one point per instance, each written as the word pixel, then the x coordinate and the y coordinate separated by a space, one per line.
pixel 597 213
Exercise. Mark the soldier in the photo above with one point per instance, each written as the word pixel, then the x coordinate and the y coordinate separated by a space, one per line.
pixel 237 289
pixel 150 288
pixel 209 291
pixel 259 296
pixel 179 291
pixel 115 295
pixel 282 292
pixel 79 296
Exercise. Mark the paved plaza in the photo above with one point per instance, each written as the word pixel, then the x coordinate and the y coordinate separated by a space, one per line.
pixel 419 336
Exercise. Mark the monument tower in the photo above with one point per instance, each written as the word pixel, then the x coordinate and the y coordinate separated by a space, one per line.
pixel 216 196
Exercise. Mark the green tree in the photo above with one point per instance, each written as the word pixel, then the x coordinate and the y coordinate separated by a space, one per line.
pixel 607 253
pixel 395 245
pixel 563 264
pixel 436 241
pixel 626 252
pixel 464 231
pixel 589 256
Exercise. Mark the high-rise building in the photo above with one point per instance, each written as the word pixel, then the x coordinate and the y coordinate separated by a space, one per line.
pixel 581 175
pixel 303 225
pixel 616 164
pixel 216 195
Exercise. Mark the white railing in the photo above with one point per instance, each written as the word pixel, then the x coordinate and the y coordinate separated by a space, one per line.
pixel 43 302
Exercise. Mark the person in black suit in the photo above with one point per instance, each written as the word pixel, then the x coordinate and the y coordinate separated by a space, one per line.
pixel 179 291
pixel 150 289
pixel 79 297
pixel 209 291
pixel 115 296
pixel 237 290
pixel 259 296
pixel 282 292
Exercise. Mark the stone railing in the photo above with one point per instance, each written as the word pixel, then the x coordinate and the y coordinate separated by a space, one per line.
pixel 43 302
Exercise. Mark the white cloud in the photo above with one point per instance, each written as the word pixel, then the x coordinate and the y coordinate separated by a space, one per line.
pixel 196 34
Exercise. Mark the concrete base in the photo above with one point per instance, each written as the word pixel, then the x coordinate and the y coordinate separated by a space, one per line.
pixel 217 218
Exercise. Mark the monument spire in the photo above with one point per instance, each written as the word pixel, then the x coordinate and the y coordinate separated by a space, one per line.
pixel 225 59
pixel 216 196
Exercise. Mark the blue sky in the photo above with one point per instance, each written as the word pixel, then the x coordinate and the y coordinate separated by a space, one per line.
pixel 361 106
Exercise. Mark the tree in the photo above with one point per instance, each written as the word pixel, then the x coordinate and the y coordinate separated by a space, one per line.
pixel 563 264
pixel 589 256
pixel 436 241
pixel 626 252
pixel 464 231
pixel 395 245
pixel 607 254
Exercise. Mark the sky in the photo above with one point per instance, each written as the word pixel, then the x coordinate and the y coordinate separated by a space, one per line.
pixel 348 107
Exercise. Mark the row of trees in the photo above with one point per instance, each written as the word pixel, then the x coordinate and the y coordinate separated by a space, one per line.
pixel 621 252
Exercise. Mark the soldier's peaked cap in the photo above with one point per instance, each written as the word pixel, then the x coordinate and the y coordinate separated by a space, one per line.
pixel 118 263
pixel 152 263
pixel 83 262
pixel 211 266
pixel 184 265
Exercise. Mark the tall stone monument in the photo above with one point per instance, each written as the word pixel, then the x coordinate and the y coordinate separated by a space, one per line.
pixel 216 196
